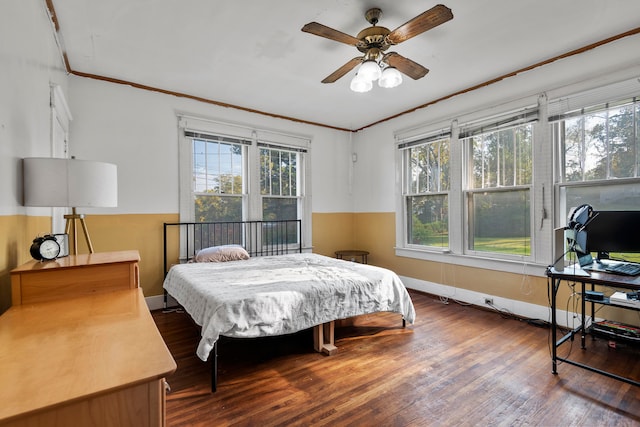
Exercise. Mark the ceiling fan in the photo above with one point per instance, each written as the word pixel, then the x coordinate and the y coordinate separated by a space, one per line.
pixel 374 41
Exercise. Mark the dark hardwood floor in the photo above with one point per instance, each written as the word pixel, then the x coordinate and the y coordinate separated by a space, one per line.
pixel 457 365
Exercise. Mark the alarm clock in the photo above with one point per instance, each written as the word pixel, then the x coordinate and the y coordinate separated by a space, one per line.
pixel 45 248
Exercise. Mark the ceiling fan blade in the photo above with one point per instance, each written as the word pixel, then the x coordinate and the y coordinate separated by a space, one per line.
pixel 329 33
pixel 343 70
pixel 431 18
pixel 405 65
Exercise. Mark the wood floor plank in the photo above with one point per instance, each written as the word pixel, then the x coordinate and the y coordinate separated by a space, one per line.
pixel 457 365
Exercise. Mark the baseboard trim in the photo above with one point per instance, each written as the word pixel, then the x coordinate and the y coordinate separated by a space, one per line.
pixel 518 308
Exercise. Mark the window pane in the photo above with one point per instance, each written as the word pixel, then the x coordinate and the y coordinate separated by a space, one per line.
pixel 278 172
pixel 279 208
pixel 620 197
pixel 622 143
pixel 501 222
pixel 427 210
pixel 601 145
pixel 429 170
pixel 428 221
pixel 217 180
pixel 209 208
pixel 217 167
pixel 502 158
pixel 199 166
pixel 574 150
pixel 595 146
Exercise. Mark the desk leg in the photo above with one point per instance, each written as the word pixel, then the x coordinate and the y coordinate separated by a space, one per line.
pixel 583 333
pixel 593 316
pixel 553 285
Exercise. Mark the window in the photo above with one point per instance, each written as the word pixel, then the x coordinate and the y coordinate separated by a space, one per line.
pixel 230 172
pixel 279 182
pixel 598 156
pixel 426 191
pixel 218 177
pixel 468 191
pixel 498 186
pixel 511 178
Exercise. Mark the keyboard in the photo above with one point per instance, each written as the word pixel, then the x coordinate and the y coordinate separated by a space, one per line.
pixel 625 268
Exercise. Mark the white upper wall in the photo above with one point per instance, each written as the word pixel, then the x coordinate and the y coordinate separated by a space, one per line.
pixel 138 131
pixel 375 174
pixel 29 63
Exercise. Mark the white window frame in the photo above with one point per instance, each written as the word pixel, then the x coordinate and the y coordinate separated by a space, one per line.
pixel 252 199
pixel 469 190
pixel 404 149
pixel 301 154
pixel 243 144
pixel 548 209
pixel 590 101
pixel 541 195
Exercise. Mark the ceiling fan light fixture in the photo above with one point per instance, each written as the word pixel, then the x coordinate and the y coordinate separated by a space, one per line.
pixel 390 78
pixel 369 70
pixel 358 84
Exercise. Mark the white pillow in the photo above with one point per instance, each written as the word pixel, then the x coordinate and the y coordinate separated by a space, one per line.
pixel 221 254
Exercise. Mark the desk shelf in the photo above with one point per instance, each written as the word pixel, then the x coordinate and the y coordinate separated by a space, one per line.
pixel 606 301
pixel 614 336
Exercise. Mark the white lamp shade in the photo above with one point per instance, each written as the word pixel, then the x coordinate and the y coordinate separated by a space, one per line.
pixel 360 85
pixel 390 77
pixel 69 183
pixel 369 70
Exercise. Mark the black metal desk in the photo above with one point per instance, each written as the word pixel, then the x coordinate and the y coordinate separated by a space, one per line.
pixel 592 278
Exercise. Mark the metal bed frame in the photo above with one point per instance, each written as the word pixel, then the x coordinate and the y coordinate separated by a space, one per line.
pixel 183 240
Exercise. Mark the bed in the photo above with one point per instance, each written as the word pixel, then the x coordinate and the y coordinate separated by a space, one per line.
pixel 274 291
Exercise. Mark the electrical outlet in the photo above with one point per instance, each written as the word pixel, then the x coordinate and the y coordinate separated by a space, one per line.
pixel 488 301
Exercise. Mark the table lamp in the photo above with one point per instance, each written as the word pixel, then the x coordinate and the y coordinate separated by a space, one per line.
pixel 71 183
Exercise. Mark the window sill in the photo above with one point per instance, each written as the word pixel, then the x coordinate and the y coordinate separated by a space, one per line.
pixel 516 266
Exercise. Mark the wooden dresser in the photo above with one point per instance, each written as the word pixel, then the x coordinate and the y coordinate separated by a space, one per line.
pixel 95 360
pixel 79 346
pixel 74 275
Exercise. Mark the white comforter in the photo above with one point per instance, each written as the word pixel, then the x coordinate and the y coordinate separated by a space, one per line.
pixel 278 295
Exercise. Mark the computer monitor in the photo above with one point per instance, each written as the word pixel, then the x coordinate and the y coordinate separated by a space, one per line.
pixel 613 231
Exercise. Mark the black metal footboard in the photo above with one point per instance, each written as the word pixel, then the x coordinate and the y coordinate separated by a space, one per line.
pixel 183 240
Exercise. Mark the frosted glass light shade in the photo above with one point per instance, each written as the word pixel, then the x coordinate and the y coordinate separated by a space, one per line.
pixel 390 77
pixel 54 182
pixel 359 84
pixel 369 70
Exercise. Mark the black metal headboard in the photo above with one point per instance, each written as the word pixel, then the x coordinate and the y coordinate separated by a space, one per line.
pixel 182 240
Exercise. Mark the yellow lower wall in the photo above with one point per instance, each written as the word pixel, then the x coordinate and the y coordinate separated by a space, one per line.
pixel 332 232
pixel 374 232
pixel 142 232
pixel 17 233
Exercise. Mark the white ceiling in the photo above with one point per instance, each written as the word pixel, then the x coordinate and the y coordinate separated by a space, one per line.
pixel 252 54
